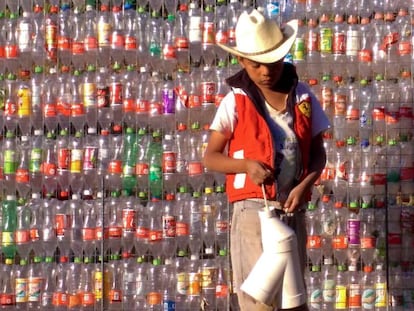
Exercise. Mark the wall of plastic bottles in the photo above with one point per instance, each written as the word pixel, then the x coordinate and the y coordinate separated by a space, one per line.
pixel 105 107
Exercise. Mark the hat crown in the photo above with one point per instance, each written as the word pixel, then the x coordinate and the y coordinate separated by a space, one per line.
pixel 255 34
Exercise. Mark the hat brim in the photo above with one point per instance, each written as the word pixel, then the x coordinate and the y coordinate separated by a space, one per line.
pixel 289 30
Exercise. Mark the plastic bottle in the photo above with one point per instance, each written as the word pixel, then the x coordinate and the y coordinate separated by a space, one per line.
pixel 222 223
pixel 8 226
pixel 62 221
pixel 130 80
pixel 354 288
pixel 117 36
pixel 8 297
pixel 76 225
pixel 10 104
pixel 114 224
pixel 130 209
pixel 76 147
pixel 48 236
pixel 181 40
pixel 50 100
pixel 155 166
pixel 155 237
pixel 11 48
pixel 341 288
pixel 60 297
pixel 86 293
pixel 194 280
pixel 72 283
pixel 49 163
pixel 21 285
pixel 22 233
pixel 314 239
pixel 89 212
pixel 328 284
pixel 208 273
pixel 104 29
pixel 340 238
pixel 314 288
pixel 368 289
pixel 195 224
pixel 24 102
pixel 35 282
pixel 194 31
pixel 129 155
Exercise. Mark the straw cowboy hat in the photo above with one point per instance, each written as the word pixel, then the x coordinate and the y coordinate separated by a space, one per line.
pixel 260 39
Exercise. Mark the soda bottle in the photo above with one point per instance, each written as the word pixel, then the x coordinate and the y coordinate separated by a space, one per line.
pixel 169 225
pixel 222 224
pixel 22 233
pixel 9 226
pixel 62 221
pixel 49 163
pixel 24 102
pixel 208 274
pixel 48 236
pixel 114 273
pixel 7 293
pixel 129 89
pixel 131 36
pixel 194 30
pixel 72 283
pixel 10 104
pixel 21 285
pixel 142 100
pixel 35 283
pixel 104 30
pixel 64 34
pixel 86 293
pixel 181 41
pixel 76 225
pixel 76 147
pixel 114 223
pixel 35 204
pixel 354 288
pixel 36 97
pixel 117 35
pixel 22 171
pixel 89 95
pixel 90 160
pixel 102 98
pixel 141 231
pixel 11 48
pixel 130 208
pixel 155 166
pixel 194 282
pixel 90 216
pixel 60 297
pixel 155 237
pixel 169 55
pixel 314 240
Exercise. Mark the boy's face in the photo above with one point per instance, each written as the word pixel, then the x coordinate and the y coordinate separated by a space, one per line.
pixel 263 75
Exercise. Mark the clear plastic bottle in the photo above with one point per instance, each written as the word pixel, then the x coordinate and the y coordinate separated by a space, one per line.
pixel 341 288
pixel 22 233
pixel 194 31
pixel 368 289
pixel 8 226
pixel 35 283
pixel 155 166
pixel 104 30
pixel 314 288
pixel 129 96
pixel 314 238
pixel 76 147
pixel 8 301
pixel 22 171
pixel 328 284
pixel 354 288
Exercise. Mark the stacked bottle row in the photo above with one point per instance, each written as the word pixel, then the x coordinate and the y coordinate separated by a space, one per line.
pixel 117 284
pixel 358 39
pixel 96 231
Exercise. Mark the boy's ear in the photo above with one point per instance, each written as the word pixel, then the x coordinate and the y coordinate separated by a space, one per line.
pixel 240 60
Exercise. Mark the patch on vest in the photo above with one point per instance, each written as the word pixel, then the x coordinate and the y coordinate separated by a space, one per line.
pixel 305 107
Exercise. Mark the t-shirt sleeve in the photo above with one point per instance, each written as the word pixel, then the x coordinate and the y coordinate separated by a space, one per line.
pixel 225 118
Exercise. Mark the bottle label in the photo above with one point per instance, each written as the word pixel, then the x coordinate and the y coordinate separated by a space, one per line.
pixel 76 160
pixel 168 305
pixel 352 43
pixel 168 162
pixel 299 49
pixel 341 301
pixel 11 51
pixel 7 238
pixel 10 163
pixel 368 299
pixel 63 43
pixel 73 301
pixel 181 43
pixel 208 35
pixel 340 242
pixel 89 91
pixel 404 48
pixel 35 160
pixel 168 99
pixel 222 36
pixel 222 290
pixel 338 44
pixel 63 158
pixel 222 227
pixel 34 288
pixel 353 229
pixel 155 173
pixel 49 110
pixel 128 105
pixel 24 102
pixel 22 175
pixel 128 220
pixel 98 284
pixel 88 234
pixel 87 299
pixel 182 283
pixel 78 48
pixel 90 158
pixel 7 299
pixel 34 235
pixel 154 298
pixel 208 91
pixel 380 295
pixel 182 229
pixel 169 226
pixel 194 29
pixel 117 41
pixel 48 169
pixel 354 296
pixel 21 290
pixel 169 52
pixel 22 236
pixel 91 43
pixel 62 222
pixel 194 282
pixel 102 97
pixel 143 106
pixel 115 93
pixel 368 242
pixel 104 34
pixel 208 277
pixel 325 43
pixel 316 298
pixel 142 233
pixel 115 232
pixel 328 290
pixel 314 241
pixel 155 235
pixel 194 100
pixel 59 299
pixel 130 43
pixel 195 168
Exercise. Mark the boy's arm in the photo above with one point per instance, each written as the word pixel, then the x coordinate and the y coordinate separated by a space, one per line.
pixel 215 160
pixel 317 161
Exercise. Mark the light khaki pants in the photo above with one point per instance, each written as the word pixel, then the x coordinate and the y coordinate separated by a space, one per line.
pixel 246 247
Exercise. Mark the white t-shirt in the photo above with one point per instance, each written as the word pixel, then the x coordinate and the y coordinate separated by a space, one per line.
pixel 285 139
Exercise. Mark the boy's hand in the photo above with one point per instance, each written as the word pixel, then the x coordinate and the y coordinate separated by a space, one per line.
pixel 257 171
